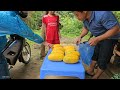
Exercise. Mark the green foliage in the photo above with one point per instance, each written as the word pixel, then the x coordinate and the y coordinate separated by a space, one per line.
pixel 117 14
pixel 116 76
pixel 35 19
pixel 71 26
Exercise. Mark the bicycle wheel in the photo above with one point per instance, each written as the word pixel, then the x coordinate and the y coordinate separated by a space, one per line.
pixel 25 54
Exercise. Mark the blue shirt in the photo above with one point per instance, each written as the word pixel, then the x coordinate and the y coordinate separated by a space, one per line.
pixel 100 22
pixel 11 23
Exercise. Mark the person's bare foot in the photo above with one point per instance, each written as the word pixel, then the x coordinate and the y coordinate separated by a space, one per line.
pixel 95 77
pixel 90 72
pixel 98 73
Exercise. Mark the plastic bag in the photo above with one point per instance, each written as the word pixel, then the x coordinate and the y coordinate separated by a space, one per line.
pixel 86 52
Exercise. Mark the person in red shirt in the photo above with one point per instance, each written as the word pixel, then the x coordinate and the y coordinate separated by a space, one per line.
pixel 50 22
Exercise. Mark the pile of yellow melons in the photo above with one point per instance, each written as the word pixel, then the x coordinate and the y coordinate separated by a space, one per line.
pixel 67 54
pixel 57 53
pixel 71 55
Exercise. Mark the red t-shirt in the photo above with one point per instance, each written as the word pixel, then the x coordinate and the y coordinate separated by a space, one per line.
pixel 52 27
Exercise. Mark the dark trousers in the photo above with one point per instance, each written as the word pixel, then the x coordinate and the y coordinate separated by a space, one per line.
pixel 4 72
pixel 103 52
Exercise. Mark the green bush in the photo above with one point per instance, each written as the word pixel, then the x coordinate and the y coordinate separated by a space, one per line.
pixel 35 19
pixel 71 26
pixel 117 14
pixel 116 76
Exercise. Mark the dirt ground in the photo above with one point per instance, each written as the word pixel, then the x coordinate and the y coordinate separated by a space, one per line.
pixel 32 70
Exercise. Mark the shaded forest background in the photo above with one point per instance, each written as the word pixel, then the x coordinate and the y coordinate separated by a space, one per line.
pixel 71 26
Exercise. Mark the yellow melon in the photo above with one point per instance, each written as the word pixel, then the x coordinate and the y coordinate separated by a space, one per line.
pixel 58 51
pixel 71 59
pixel 59 48
pixel 56 57
pixel 57 45
pixel 73 52
pixel 70 47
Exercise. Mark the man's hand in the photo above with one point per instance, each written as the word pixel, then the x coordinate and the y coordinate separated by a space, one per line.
pixel 94 41
pixel 78 40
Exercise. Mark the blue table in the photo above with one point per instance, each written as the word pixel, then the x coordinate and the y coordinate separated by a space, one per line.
pixel 61 69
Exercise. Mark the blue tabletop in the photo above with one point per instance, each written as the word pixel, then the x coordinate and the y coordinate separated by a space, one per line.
pixel 61 66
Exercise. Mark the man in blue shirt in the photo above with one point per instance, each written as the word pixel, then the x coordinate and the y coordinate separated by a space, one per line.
pixel 11 23
pixel 105 27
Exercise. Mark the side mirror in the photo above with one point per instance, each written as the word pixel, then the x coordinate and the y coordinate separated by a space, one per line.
pixel 23 14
